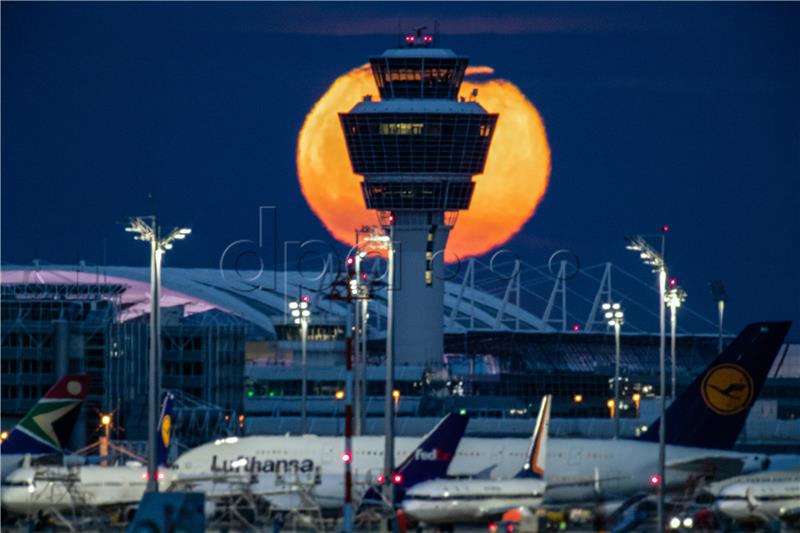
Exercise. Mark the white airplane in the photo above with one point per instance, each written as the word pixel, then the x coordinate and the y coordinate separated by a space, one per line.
pixel 30 489
pixel 467 500
pixel 703 424
pixel 288 483
pixel 46 428
pixel 763 497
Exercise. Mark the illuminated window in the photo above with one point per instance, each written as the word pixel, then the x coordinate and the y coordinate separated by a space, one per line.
pixel 401 129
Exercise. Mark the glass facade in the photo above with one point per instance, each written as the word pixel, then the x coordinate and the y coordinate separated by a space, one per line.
pixel 418 77
pixel 447 195
pixel 418 143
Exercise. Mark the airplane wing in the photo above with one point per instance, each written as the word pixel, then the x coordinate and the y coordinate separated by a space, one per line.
pixel 719 467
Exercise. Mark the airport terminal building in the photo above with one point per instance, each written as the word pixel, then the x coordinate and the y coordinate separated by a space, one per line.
pixel 232 354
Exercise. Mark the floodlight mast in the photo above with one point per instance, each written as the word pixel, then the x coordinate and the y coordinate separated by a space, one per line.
pixel 655 259
pixel 149 232
pixel 676 297
pixel 615 317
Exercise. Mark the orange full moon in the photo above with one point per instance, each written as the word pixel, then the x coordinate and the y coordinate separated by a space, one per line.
pixel 506 194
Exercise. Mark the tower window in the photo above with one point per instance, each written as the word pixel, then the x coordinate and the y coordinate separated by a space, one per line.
pixel 401 128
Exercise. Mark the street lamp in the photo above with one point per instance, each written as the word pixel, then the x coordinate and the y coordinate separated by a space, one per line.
pixel 720 296
pixel 675 297
pixel 301 314
pixel 615 317
pixel 655 259
pixel 147 229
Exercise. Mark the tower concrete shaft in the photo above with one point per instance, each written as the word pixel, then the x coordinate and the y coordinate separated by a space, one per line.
pixel 417 149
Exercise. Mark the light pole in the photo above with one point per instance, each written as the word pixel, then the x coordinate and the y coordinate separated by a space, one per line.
pixel 301 313
pixel 388 413
pixel 360 292
pixel 615 317
pixel 676 297
pixel 150 232
pixel 719 295
pixel 654 259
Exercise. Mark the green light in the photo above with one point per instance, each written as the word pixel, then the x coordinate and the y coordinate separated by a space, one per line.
pixel 462 412
pixel 271 393
pixel 250 393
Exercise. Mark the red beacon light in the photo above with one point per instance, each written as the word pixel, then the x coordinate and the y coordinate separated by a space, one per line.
pixel 576 327
pixel 409 38
pixel 305 298
pixel 665 228
pixel 346 457
pixel 427 38
pixel 673 282
pixel 397 479
pixel 655 480
pixel 350 260
pixel 381 478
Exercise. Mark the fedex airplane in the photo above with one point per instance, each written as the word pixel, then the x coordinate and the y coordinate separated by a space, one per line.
pixel 31 489
pixel 703 424
pixel 468 500
pixel 46 428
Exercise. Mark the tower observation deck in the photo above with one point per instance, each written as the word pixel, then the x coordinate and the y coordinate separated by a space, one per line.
pixel 417 149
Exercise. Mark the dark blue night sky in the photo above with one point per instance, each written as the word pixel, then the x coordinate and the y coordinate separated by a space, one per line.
pixel 682 114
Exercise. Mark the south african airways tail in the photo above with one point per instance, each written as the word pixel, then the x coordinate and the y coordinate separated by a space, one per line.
pixel 48 425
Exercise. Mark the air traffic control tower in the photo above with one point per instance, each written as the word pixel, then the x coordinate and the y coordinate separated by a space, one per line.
pixel 417 149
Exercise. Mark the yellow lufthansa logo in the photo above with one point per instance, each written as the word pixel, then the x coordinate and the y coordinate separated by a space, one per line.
pixel 727 389
pixel 166 427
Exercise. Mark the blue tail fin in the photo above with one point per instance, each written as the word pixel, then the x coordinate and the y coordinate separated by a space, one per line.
pixel 429 460
pixel 433 456
pixel 165 429
pixel 535 463
pixel 712 411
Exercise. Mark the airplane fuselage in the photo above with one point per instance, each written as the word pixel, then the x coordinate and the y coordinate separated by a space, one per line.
pixel 31 489
pixel 576 468
pixel 457 500
pixel 761 498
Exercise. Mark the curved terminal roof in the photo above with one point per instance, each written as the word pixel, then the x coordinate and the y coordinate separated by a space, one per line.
pixel 261 298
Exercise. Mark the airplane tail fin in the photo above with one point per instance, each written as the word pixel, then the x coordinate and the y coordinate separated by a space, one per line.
pixel 429 460
pixel 535 463
pixel 712 411
pixel 46 428
pixel 164 438
pixel 432 457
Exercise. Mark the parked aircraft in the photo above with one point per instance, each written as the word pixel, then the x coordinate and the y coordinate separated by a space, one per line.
pixel 31 489
pixel 46 428
pixel 702 426
pixel 468 500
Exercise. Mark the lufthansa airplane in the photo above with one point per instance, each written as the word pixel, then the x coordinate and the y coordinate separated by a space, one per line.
pixel 287 483
pixel 468 500
pixel 703 424
pixel 46 428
